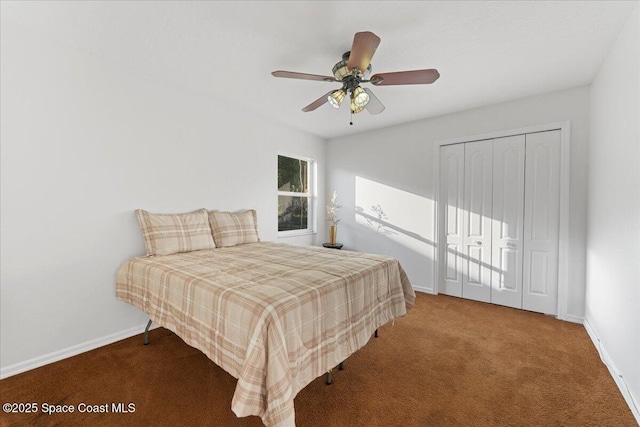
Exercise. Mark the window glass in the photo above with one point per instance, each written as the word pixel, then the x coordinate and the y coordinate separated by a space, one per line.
pixel 293 213
pixel 294 194
pixel 293 175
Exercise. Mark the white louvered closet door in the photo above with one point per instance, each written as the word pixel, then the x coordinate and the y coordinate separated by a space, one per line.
pixel 541 222
pixel 476 255
pixel 451 207
pixel 508 220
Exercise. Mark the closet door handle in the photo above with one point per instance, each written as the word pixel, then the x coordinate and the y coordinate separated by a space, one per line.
pixel 511 245
pixel 479 242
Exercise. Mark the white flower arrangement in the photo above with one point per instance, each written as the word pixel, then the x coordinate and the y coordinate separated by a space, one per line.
pixel 332 210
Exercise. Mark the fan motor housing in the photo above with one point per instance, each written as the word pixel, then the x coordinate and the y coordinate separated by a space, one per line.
pixel 342 73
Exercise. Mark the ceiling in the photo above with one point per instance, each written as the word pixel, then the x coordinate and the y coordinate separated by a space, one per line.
pixel 485 51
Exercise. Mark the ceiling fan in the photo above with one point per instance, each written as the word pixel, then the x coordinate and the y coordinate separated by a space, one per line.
pixel 355 69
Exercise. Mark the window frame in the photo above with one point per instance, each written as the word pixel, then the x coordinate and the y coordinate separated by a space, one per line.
pixel 311 195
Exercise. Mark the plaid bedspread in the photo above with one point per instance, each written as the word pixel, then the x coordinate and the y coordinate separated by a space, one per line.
pixel 274 316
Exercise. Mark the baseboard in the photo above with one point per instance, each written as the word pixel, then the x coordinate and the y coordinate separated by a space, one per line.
pixel 574 319
pixel 619 379
pixel 55 356
pixel 423 289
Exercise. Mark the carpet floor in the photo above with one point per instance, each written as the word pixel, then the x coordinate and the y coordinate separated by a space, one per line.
pixel 449 362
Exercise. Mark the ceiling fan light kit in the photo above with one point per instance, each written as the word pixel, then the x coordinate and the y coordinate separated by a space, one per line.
pixel 336 97
pixel 355 109
pixel 355 69
pixel 360 97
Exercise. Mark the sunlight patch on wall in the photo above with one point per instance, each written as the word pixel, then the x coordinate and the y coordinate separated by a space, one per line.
pixel 398 215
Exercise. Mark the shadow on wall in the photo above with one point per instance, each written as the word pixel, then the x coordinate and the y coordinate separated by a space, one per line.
pixel 406 219
pixel 403 217
pixel 378 225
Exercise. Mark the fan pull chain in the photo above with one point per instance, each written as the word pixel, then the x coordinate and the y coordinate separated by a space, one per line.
pixel 351 117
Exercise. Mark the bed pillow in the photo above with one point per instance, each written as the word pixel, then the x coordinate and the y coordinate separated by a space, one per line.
pixel 231 229
pixel 166 234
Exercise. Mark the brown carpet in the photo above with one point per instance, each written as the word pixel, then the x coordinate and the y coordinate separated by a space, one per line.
pixel 449 362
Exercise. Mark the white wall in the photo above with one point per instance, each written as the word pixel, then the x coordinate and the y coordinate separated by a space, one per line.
pixel 84 143
pixel 394 167
pixel 613 246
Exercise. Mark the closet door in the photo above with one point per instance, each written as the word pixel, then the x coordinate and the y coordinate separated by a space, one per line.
pixel 508 222
pixel 541 222
pixel 476 269
pixel 451 204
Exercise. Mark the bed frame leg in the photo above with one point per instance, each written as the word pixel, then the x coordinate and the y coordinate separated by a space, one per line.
pixel 375 335
pixel 329 382
pixel 341 366
pixel 146 333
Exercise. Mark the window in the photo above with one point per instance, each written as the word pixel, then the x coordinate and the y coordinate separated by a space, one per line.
pixel 295 195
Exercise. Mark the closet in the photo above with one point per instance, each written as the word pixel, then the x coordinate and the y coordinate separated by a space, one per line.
pixel 499 202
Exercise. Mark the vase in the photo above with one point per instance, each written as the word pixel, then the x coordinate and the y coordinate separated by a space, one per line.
pixel 333 231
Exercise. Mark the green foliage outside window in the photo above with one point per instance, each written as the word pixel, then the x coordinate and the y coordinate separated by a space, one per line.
pixel 293 175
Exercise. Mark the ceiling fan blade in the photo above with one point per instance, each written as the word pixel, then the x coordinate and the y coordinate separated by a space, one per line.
pixel 303 76
pixel 318 102
pixel 415 77
pixel 362 50
pixel 374 106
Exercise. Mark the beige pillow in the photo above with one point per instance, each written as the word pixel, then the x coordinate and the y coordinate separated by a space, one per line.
pixel 231 229
pixel 166 234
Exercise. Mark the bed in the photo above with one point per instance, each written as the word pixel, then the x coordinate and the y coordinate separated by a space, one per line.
pixel 274 316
